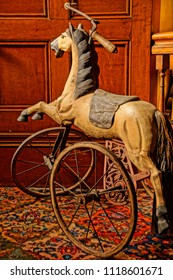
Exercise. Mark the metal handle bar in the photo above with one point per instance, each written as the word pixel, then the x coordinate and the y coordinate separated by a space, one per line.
pixel 104 42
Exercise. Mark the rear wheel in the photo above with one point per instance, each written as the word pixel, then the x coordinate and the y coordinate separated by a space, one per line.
pixel 33 160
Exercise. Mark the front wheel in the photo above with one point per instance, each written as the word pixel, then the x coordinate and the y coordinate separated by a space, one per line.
pixel 88 219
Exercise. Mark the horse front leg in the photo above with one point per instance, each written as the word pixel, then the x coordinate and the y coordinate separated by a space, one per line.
pixel 40 108
pixel 27 112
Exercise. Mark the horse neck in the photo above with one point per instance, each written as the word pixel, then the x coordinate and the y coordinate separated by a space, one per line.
pixel 71 81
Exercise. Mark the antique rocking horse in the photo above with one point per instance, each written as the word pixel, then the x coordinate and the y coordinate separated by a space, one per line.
pixel 145 132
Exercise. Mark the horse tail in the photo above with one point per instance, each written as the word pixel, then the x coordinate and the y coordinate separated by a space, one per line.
pixel 164 160
pixel 164 150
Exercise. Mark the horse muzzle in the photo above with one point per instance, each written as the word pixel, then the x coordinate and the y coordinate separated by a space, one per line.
pixel 58 52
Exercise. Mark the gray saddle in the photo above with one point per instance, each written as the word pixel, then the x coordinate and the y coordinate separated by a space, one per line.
pixel 104 105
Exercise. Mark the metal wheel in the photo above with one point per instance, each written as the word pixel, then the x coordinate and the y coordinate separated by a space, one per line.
pixel 87 218
pixel 33 160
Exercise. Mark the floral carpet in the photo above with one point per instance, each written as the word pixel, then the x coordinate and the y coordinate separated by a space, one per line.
pixel 29 230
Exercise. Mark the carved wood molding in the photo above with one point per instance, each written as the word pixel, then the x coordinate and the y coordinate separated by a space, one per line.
pixel 163 49
pixel 163 43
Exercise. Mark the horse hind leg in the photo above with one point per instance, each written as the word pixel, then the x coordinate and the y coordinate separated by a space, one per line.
pixel 143 162
pixel 161 211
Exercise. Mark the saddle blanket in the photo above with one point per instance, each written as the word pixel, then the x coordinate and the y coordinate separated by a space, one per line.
pixel 104 105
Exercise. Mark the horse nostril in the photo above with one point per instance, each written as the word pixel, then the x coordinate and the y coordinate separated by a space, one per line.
pixel 52 48
pixel 52 45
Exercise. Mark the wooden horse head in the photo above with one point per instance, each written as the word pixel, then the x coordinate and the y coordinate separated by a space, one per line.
pixel 63 43
pixel 84 57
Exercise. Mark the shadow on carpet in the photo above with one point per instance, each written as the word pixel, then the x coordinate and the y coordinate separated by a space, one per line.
pixel 29 230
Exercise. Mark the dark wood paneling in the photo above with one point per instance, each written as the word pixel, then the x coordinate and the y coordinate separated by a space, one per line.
pixel 103 8
pixel 141 49
pixel 9 123
pixel 59 74
pixel 23 8
pixel 24 73
pixel 114 68
pixel 5 157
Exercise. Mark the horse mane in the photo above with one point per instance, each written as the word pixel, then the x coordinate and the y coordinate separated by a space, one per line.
pixel 87 76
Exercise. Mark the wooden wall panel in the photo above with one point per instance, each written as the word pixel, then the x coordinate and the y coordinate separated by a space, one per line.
pixel 6 155
pixel 60 73
pixel 24 73
pixel 23 8
pixel 103 8
pixel 114 70
pixel 9 123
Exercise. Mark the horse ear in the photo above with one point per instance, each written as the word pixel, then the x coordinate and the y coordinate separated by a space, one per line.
pixel 80 26
pixel 71 28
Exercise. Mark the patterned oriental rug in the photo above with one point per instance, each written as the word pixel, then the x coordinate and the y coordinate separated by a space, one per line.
pixel 29 230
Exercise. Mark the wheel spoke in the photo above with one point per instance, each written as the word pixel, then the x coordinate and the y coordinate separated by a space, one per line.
pixel 72 172
pixel 109 219
pixel 94 229
pixel 39 179
pixel 89 223
pixel 28 161
pixel 64 189
pixel 98 181
pixel 30 169
pixel 38 150
pixel 76 210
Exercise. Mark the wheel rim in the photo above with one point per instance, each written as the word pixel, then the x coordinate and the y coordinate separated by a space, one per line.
pixel 33 160
pixel 88 219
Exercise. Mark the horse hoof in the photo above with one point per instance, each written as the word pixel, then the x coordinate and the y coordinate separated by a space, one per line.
pixel 37 116
pixel 22 118
pixel 162 225
pixel 167 233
